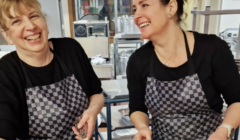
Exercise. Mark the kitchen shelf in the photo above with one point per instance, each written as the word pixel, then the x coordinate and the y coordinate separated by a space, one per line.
pixel 120 38
pixel 207 12
pixel 127 36
pixel 216 12
pixel 116 42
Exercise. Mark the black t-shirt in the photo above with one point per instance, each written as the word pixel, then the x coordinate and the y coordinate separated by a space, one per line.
pixel 213 62
pixel 13 108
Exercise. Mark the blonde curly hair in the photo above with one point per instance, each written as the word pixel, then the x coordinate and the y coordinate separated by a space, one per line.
pixel 17 5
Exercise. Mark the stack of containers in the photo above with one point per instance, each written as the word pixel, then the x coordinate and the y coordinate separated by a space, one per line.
pixel 126 25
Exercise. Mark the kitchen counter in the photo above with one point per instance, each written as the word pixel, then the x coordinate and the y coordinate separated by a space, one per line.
pixel 115 89
pixel 116 119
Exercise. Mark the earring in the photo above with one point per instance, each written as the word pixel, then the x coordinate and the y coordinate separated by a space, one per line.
pixel 170 15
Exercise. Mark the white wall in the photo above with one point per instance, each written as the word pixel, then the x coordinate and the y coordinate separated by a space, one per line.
pixel 213 21
pixel 230 21
pixel 200 5
pixel 2 40
pixel 51 9
pixel 188 20
pixel 66 24
pixel 58 26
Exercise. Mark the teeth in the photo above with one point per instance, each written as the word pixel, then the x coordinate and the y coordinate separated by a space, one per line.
pixel 33 37
pixel 144 24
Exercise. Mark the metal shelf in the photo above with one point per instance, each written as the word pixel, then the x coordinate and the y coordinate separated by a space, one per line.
pixel 216 12
pixel 207 14
pixel 126 36
pixel 122 38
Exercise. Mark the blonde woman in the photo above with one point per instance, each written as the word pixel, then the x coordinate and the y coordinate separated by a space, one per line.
pixel 45 84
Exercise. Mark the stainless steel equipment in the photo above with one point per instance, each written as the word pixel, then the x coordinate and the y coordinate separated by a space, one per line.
pixel 230 35
pixel 93 36
pixel 123 60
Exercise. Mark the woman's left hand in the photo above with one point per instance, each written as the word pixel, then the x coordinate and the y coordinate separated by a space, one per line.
pixel 89 118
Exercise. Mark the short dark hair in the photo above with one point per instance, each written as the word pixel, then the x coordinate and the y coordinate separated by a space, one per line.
pixel 180 10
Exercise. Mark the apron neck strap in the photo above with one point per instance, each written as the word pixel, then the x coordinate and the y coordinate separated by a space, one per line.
pixel 190 62
pixel 64 67
pixel 27 79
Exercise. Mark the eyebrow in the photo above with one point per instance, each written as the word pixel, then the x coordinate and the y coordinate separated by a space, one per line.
pixel 33 13
pixel 11 18
pixel 139 3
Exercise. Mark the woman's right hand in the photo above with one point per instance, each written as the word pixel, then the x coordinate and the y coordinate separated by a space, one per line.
pixel 143 134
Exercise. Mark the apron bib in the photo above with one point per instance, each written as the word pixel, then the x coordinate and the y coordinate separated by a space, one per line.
pixel 53 108
pixel 179 108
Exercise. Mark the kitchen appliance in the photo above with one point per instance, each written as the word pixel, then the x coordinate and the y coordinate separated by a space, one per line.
pixel 93 35
pixel 230 35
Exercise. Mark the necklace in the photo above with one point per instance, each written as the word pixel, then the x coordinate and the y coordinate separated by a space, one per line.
pixel 166 63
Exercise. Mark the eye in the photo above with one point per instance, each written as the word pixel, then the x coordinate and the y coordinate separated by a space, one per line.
pixel 15 22
pixel 35 16
pixel 144 5
pixel 134 11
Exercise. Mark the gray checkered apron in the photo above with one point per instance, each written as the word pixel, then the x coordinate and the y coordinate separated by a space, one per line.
pixel 179 108
pixel 53 108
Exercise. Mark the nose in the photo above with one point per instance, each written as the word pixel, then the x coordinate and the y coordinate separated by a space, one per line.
pixel 29 24
pixel 137 15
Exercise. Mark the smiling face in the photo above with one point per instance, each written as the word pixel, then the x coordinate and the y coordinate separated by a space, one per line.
pixel 28 30
pixel 151 17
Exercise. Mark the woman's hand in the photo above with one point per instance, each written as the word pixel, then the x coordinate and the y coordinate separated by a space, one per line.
pixel 219 134
pixel 89 118
pixel 143 134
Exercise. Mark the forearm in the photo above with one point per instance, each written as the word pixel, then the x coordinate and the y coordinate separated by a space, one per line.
pixel 231 117
pixel 96 103
pixel 139 119
pixel 2 139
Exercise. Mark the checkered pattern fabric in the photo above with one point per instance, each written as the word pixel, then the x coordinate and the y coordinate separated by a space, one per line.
pixel 53 109
pixel 180 110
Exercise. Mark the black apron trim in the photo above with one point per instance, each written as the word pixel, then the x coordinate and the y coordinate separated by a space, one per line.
pixel 190 62
pixel 65 69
